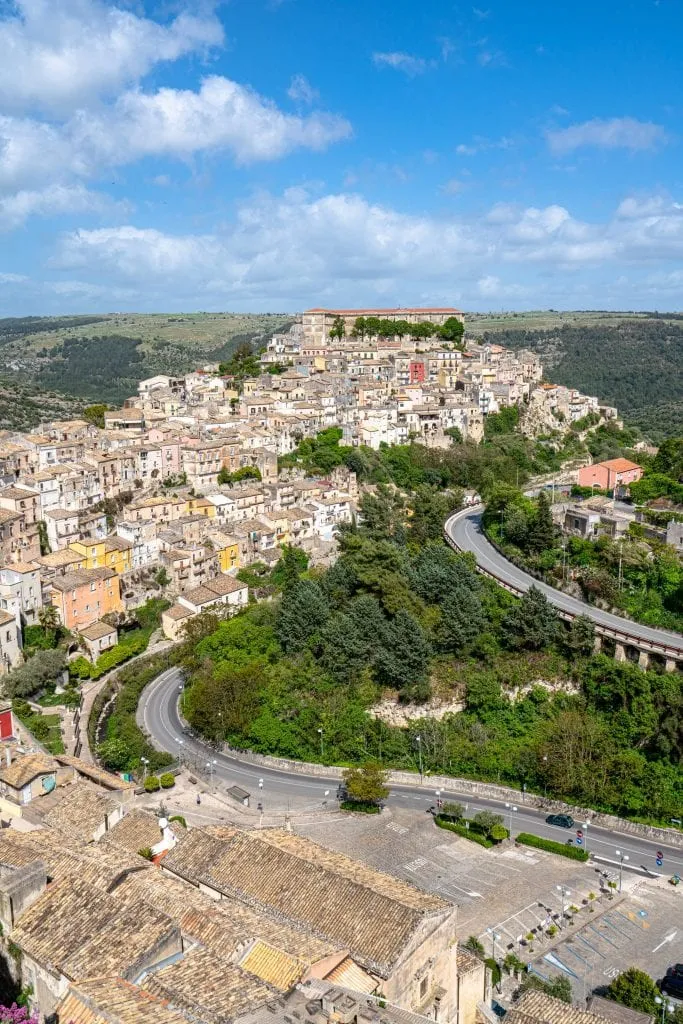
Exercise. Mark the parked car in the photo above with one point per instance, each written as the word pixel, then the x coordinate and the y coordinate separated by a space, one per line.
pixel 563 820
pixel 672 983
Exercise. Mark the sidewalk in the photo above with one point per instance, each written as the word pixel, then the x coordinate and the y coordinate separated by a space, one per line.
pixel 90 692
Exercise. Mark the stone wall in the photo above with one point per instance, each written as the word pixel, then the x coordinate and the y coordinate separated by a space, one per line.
pixel 486 790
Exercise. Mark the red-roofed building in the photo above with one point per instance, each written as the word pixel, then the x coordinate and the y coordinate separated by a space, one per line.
pixel 612 475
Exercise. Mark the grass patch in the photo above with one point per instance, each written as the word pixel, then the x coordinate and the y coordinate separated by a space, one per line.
pixel 46 729
pixel 550 846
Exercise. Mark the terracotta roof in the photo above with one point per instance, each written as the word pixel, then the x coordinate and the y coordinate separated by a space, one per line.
pixel 106 779
pixel 224 927
pixel 80 578
pixel 136 830
pixel 82 931
pixel 26 768
pixel 114 1001
pixel 539 1008
pixel 97 630
pixel 371 914
pixel 177 612
pixel 273 965
pixel 384 312
pixel 619 465
pixel 80 811
pixel 5 617
pixel 203 984
pixel 349 975
pixel 224 584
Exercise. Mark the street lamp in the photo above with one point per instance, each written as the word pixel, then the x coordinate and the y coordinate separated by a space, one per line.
pixel 145 762
pixel 622 858
pixel 545 775
pixel 666 1006
pixel 438 799
pixel 494 938
pixel 180 749
pixel 419 753
pixel 512 809
pixel 322 745
pixel 585 835
pixel 564 892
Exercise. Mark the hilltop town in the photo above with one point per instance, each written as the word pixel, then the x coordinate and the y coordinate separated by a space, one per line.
pixel 180 488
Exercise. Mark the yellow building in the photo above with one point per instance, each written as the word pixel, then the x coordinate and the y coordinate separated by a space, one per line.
pixel 111 553
pixel 228 550
pixel 200 507
pixel 118 555
pixel 91 551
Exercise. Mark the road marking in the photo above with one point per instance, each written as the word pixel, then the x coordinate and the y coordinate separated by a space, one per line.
pixel 669 938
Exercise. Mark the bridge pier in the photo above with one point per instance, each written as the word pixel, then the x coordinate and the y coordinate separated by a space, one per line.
pixel 597 644
pixel 670 665
pixel 644 660
pixel 620 652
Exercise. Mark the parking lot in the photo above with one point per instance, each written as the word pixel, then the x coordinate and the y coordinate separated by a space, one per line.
pixel 645 930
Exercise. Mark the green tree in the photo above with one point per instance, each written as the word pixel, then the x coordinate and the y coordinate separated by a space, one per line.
pixel 289 567
pixel 487 821
pixel 114 755
pixel 303 611
pixel 542 528
pixel 404 660
pixel 452 330
pixel 43 670
pixel 95 414
pixel 531 624
pixel 516 527
pixel 338 328
pixel 635 989
pixel 581 636
pixel 162 577
pixel 48 618
pixel 558 988
pixel 344 651
pixel 367 784
pixel 462 620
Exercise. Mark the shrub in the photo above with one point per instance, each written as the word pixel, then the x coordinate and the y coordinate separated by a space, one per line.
pixel 152 784
pixel 551 846
pixel 80 668
pixel 167 780
pixel 362 806
pixel 466 833
pixel 146 852
pixel 179 818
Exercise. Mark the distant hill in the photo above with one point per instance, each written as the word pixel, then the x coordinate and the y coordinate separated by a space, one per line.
pixel 633 362
pixel 102 358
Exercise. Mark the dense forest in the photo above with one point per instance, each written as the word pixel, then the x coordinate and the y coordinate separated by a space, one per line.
pixel 13 327
pixel 636 365
pixel 399 613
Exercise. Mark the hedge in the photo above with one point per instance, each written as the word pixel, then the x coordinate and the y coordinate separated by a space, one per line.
pixel 167 780
pixel 466 833
pixel 573 852
pixel 360 806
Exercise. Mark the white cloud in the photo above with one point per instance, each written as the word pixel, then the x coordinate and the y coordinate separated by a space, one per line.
pixel 221 115
pixel 404 62
pixel 282 251
pixel 54 200
pixel 453 187
pixel 61 53
pixel 301 91
pixel 616 133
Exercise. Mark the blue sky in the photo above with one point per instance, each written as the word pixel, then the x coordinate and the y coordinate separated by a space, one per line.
pixel 278 154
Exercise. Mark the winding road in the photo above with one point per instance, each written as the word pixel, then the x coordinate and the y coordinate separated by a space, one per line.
pixel 464 532
pixel 158 715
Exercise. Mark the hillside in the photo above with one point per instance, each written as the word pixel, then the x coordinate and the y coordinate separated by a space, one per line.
pixel 103 357
pixel 632 361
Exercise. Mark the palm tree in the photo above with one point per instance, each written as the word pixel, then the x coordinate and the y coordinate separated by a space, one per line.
pixel 48 618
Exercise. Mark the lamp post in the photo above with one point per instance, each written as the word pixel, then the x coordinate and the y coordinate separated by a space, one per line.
pixel 180 749
pixel 322 745
pixel 666 1006
pixel 564 892
pixel 438 799
pixel 145 762
pixel 211 769
pixel 494 937
pixel 418 739
pixel 512 809
pixel 545 775
pixel 585 835
pixel 623 857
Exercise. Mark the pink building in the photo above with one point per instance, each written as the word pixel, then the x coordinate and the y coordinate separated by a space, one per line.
pixel 613 475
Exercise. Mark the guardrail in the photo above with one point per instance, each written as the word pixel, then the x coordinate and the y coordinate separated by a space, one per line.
pixel 668 651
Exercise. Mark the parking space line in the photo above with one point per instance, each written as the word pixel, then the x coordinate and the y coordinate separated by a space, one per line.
pixel 600 935
pixel 587 943
pixel 611 924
